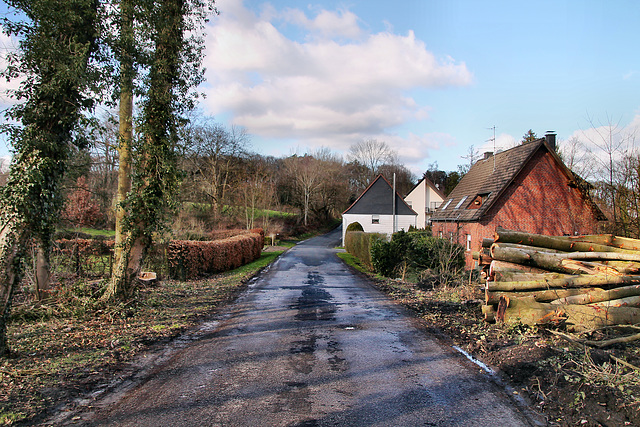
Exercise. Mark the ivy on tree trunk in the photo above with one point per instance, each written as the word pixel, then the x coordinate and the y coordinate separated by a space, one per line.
pixel 174 68
pixel 57 41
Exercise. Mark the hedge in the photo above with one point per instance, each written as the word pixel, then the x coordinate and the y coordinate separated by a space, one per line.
pixel 189 259
pixel 178 259
pixel 358 244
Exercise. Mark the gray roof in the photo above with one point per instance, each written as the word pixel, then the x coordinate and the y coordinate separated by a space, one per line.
pixel 488 178
pixel 377 200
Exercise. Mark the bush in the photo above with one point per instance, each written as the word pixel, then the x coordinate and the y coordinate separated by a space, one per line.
pixel 358 244
pixel 418 252
pixel 354 226
pixel 190 259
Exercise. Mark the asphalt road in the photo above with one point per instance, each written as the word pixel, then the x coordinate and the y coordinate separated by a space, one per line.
pixel 312 344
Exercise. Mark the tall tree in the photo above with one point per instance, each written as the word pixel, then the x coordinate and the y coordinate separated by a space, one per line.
pixel 174 70
pixel 213 158
pixel 612 143
pixel 530 136
pixel 57 42
pixel 372 154
pixel 125 51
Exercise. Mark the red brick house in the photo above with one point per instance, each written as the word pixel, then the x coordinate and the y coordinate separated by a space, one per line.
pixel 526 188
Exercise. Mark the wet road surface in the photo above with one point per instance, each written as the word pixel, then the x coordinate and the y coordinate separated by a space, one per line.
pixel 311 344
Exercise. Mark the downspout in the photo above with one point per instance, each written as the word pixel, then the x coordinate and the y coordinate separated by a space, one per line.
pixel 393 203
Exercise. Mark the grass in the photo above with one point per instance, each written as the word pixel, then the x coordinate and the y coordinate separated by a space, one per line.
pixel 73 343
pixel 94 232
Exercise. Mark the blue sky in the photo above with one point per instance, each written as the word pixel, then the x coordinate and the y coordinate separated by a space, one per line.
pixel 462 67
pixel 430 78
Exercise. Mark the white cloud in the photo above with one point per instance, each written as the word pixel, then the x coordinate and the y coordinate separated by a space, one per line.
pixel 334 85
pixel 7 45
pixel 326 24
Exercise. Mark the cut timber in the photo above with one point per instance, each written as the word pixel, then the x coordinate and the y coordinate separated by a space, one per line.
pixel 613 256
pixel 528 247
pixel 486 243
pixel 543 295
pixel 594 296
pixel 148 277
pixel 558 261
pixel 553 242
pixel 633 301
pixel 530 312
pixel 580 317
pixel 590 267
pixel 575 281
pixel 520 276
pixel 489 313
pixel 500 266
pixel 532 258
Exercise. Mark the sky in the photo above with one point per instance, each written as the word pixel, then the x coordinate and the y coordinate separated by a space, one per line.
pixel 430 78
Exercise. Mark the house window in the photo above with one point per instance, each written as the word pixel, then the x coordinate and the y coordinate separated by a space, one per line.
pixel 478 201
pixel 375 219
pixel 447 204
pixel 461 202
pixel 468 242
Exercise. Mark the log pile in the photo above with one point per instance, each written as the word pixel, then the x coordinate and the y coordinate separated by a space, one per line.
pixel 584 282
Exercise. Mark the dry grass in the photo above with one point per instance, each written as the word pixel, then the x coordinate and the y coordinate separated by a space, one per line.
pixel 73 343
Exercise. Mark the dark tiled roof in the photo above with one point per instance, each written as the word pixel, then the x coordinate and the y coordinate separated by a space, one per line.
pixel 376 200
pixel 488 178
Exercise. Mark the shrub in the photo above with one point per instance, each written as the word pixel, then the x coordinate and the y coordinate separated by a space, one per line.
pixel 354 226
pixel 418 251
pixel 358 244
pixel 189 259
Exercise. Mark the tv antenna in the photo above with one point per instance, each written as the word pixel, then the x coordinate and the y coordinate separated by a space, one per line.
pixel 494 146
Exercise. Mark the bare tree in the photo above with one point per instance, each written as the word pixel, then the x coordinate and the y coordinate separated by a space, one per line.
pixel 471 157
pixel 577 157
pixel 612 142
pixel 305 172
pixel 372 154
pixel 212 157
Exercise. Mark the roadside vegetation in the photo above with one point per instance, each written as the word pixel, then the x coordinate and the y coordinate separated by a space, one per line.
pixel 566 382
pixel 66 346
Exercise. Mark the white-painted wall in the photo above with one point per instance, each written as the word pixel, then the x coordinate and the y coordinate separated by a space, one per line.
pixel 403 222
pixel 420 199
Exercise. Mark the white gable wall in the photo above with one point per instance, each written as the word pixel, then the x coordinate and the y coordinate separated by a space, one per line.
pixel 385 225
pixel 420 200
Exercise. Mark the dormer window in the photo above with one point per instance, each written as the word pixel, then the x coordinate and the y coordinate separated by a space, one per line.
pixel 478 201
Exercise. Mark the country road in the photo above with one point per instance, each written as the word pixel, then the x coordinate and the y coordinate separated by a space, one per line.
pixel 312 344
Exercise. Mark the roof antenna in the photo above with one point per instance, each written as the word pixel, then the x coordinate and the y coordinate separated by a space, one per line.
pixel 494 146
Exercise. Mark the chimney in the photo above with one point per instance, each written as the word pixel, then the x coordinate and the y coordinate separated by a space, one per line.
pixel 487 154
pixel 550 136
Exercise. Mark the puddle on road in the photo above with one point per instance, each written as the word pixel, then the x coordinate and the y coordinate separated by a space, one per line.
pixel 314 303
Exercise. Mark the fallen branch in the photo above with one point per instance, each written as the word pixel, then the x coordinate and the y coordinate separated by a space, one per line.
pixel 600 344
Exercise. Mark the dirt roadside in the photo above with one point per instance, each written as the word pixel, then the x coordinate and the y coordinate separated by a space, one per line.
pixel 566 383
pixel 61 357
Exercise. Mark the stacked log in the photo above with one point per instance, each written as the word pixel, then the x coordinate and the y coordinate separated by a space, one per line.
pixel 584 282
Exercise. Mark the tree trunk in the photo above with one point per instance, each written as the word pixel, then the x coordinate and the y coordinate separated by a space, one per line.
pixel 576 281
pixel 545 295
pixel 43 273
pixel 13 237
pixel 552 242
pixel 599 295
pixel 125 130
pixel 128 268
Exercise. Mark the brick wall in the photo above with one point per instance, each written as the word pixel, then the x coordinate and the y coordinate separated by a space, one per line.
pixel 538 201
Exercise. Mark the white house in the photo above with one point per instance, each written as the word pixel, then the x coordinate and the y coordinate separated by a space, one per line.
pixel 374 210
pixel 424 199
